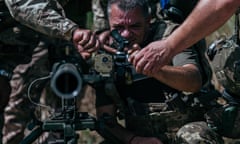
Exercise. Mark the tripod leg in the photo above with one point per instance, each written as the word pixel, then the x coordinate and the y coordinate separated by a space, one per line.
pixel 32 136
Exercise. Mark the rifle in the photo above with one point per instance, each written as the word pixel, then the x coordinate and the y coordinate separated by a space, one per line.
pixel 115 66
pixel 67 78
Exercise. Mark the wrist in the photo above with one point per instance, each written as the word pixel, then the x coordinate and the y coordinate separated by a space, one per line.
pixel 170 48
pixel 73 30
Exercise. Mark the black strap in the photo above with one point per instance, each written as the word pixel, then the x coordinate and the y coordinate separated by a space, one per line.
pixel 236 32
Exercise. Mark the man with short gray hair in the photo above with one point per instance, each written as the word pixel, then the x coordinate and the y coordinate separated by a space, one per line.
pixel 153 107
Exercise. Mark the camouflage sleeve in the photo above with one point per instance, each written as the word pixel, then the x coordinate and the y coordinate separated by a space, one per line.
pixel 100 21
pixel 45 16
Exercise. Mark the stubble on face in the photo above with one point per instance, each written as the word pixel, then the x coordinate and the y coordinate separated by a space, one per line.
pixel 131 24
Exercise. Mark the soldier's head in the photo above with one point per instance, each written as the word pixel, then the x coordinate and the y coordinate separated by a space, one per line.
pixel 130 17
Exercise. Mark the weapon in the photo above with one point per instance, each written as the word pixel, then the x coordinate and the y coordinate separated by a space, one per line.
pixel 116 65
pixel 67 78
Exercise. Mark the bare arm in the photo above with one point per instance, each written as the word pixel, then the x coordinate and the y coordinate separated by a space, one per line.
pixel 183 78
pixel 205 18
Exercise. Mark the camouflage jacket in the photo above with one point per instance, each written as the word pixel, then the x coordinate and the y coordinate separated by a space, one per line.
pixel 46 16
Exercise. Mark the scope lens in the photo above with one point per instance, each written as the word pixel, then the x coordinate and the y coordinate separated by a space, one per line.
pixel 104 59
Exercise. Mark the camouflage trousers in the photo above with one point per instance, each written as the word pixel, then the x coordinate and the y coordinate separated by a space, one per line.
pixel 173 127
pixel 197 133
pixel 26 68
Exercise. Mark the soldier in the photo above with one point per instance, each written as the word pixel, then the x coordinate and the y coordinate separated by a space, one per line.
pixel 224 55
pixel 47 17
pixel 154 107
pixel 201 22
pixel 100 13
pixel 17 43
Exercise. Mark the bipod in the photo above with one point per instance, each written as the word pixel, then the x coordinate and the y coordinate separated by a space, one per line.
pixel 66 124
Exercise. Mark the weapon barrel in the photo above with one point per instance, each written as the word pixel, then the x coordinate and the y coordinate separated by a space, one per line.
pixel 66 82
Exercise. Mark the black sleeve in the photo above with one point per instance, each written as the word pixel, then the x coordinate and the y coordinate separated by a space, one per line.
pixel 101 96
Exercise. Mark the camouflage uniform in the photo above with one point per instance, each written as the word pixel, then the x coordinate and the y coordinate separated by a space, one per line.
pixel 224 56
pixel 160 121
pixel 30 59
pixel 164 118
pixel 22 52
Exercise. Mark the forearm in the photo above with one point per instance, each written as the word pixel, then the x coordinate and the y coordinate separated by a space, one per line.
pixel 205 18
pixel 46 17
pixel 184 78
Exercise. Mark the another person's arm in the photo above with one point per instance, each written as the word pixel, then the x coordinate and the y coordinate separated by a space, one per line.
pixel 206 17
pixel 48 17
pixel 45 16
pixel 184 74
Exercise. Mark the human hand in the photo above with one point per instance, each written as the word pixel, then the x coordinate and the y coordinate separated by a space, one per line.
pixel 145 140
pixel 105 40
pixel 151 58
pixel 132 51
pixel 85 42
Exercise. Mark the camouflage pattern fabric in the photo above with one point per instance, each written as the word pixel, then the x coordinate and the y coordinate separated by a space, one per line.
pixel 162 125
pixel 197 133
pixel 224 56
pixel 225 120
pixel 56 24
pixel 165 124
pixel 19 110
pixel 173 127
pixel 20 50
pixel 26 55
pixel 100 21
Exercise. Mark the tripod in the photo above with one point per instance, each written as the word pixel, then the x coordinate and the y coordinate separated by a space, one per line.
pixel 67 123
pixel 67 79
